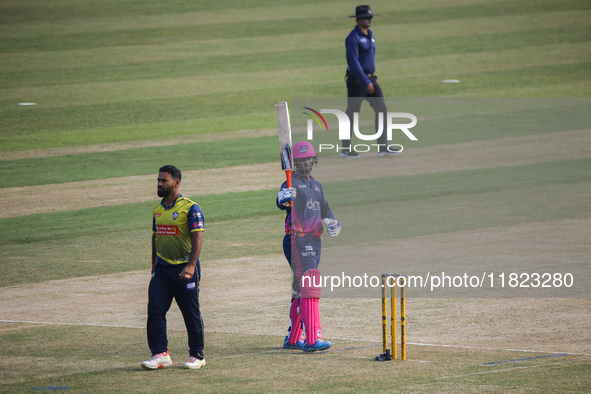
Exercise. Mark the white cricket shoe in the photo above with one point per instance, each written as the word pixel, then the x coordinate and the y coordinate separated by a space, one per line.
pixel 194 363
pixel 160 360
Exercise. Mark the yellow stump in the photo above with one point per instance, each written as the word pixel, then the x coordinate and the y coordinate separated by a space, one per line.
pixel 393 320
pixel 384 315
pixel 387 355
pixel 402 323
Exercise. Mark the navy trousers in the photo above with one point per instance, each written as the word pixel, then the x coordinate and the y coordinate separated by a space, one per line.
pixel 302 254
pixel 164 286
pixel 356 94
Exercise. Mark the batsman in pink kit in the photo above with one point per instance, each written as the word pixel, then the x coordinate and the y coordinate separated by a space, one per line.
pixel 302 248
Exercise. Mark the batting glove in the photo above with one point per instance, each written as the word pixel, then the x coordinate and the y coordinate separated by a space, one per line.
pixel 286 195
pixel 333 226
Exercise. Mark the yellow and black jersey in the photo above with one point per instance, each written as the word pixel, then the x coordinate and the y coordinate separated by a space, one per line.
pixel 174 226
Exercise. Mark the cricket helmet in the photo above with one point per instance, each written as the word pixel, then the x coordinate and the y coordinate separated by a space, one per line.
pixel 303 151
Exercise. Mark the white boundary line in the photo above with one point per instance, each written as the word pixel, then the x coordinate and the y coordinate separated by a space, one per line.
pixel 343 339
pixel 502 370
pixel 494 348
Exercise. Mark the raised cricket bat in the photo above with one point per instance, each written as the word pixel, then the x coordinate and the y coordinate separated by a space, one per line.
pixel 284 131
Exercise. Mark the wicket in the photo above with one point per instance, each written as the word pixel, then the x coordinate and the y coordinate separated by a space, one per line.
pixel 386 355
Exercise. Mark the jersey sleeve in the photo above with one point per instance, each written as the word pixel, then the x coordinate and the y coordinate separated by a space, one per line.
pixel 352 46
pixel 325 210
pixel 195 218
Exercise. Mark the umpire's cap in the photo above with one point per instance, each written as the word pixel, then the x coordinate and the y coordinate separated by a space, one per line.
pixel 362 11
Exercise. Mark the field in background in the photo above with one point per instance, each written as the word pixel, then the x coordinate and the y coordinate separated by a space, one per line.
pixel 122 88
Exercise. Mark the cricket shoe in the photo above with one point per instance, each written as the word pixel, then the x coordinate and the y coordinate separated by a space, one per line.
pixel 317 346
pixel 194 363
pixel 299 344
pixel 350 155
pixel 160 360
pixel 388 153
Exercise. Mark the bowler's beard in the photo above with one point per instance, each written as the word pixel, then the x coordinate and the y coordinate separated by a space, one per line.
pixel 165 192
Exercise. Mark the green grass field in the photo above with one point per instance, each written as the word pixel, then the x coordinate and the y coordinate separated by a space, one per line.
pixel 498 178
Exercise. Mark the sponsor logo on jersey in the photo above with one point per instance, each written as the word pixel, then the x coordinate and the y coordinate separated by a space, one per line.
pixel 167 230
pixel 309 248
pixel 317 189
pixel 313 205
pixel 158 215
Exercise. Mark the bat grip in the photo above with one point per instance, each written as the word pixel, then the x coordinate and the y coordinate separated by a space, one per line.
pixel 288 183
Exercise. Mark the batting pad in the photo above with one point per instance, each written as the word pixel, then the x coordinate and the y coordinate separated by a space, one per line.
pixel 310 314
pixel 296 322
pixel 310 284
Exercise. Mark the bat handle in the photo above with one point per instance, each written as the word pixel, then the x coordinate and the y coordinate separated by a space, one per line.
pixel 288 183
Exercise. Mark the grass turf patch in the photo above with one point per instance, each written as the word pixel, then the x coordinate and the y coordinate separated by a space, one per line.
pixel 442 121
pixel 157 66
pixel 63 356
pixel 127 98
pixel 191 156
pixel 116 238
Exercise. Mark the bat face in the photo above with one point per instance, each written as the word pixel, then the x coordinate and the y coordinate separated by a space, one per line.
pixel 286 163
pixel 284 132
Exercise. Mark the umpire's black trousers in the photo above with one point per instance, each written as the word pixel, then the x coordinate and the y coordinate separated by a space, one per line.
pixel 356 94
pixel 164 286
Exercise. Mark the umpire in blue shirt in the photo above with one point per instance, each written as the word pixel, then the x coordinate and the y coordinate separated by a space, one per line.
pixel 361 80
